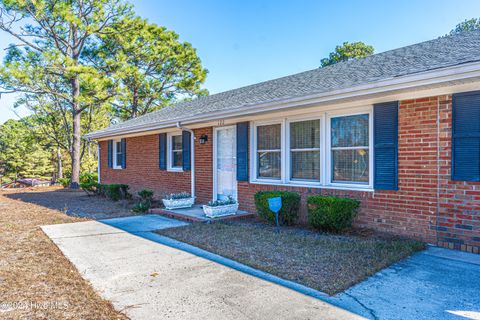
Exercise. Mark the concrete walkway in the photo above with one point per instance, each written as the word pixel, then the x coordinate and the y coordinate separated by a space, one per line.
pixel 151 280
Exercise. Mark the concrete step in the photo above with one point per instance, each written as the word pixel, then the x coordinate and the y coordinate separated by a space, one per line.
pixel 195 214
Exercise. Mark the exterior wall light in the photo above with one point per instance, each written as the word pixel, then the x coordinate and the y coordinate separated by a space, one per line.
pixel 203 139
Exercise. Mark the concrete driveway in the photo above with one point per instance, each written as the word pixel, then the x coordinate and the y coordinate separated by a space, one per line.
pixel 150 280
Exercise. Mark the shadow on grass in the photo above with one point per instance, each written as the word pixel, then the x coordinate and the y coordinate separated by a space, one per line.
pixel 72 202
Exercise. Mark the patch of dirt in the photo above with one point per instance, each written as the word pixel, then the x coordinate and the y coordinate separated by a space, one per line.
pixel 327 262
pixel 36 280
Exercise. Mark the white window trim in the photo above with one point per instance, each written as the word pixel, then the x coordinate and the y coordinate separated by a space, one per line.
pixel 288 159
pixel 325 152
pixel 253 151
pixel 328 163
pixel 170 166
pixel 115 165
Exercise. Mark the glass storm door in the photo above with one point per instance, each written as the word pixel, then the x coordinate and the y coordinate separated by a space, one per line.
pixel 225 166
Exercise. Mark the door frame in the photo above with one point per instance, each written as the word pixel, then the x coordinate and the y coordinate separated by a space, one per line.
pixel 215 175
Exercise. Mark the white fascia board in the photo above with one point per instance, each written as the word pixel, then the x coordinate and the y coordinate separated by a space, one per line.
pixel 412 81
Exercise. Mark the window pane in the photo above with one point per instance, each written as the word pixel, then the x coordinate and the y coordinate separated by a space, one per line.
pixel 350 165
pixel 118 153
pixel 269 137
pixel 350 131
pixel 305 165
pixel 176 142
pixel 177 159
pixel 305 134
pixel 269 164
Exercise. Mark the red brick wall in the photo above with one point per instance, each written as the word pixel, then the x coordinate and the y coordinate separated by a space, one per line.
pixel 204 166
pixel 459 201
pixel 428 205
pixel 143 171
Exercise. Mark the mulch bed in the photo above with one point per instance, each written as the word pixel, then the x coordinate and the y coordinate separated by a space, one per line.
pixel 326 262
pixel 36 280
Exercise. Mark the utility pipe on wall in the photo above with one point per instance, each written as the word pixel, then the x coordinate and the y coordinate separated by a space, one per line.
pixel 192 155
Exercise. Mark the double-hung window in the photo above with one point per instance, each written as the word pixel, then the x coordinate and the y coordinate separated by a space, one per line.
pixel 305 150
pixel 327 149
pixel 269 151
pixel 350 149
pixel 117 154
pixel 175 152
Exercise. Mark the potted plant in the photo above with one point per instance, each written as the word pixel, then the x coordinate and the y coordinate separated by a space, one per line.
pixel 178 200
pixel 220 208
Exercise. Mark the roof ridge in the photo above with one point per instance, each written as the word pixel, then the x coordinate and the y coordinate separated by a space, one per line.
pixel 441 52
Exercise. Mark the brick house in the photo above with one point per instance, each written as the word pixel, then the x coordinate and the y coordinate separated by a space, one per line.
pixel 399 130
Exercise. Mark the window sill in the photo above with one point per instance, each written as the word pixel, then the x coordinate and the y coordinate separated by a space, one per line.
pixel 117 168
pixel 313 185
pixel 174 170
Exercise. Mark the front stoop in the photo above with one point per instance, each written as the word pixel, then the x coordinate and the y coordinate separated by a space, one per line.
pixel 195 214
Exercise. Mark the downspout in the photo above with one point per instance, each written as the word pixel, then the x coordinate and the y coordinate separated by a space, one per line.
pixel 98 165
pixel 192 156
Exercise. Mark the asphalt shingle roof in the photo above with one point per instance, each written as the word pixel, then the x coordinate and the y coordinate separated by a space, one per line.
pixel 434 54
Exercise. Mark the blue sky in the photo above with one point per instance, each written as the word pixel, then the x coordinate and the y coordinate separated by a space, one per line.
pixel 248 41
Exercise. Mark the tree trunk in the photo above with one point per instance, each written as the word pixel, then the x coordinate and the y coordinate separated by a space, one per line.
pixel 59 164
pixel 135 103
pixel 76 142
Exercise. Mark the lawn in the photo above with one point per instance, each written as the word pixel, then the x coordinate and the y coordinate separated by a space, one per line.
pixel 326 262
pixel 36 280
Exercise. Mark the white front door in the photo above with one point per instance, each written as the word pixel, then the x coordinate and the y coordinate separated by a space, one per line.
pixel 225 163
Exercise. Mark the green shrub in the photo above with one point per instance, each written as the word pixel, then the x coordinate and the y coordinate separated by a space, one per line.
pixel 146 198
pixel 101 190
pixel 89 187
pixel 331 213
pixel 114 192
pixel 65 182
pixel 290 206
pixel 88 177
pixel 140 207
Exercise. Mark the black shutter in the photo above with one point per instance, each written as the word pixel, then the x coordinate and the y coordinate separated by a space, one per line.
pixel 110 155
pixel 186 150
pixel 466 136
pixel 124 153
pixel 385 127
pixel 162 151
pixel 242 151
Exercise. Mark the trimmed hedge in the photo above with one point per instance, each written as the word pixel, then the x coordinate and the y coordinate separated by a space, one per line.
pixel 290 206
pixel 331 213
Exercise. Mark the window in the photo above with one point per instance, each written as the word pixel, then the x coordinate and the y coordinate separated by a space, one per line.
pixel 305 150
pixel 117 154
pixel 175 153
pixel 269 152
pixel 350 149
pixel 329 149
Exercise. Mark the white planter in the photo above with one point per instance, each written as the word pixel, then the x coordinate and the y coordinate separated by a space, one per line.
pixel 178 203
pixel 219 211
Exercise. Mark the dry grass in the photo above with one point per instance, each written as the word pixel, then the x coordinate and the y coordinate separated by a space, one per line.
pixel 36 280
pixel 326 262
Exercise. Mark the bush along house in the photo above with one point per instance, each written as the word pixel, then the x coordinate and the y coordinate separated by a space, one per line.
pixel 398 131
